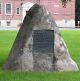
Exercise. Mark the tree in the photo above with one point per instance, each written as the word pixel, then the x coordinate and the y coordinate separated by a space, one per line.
pixel 77 13
pixel 64 2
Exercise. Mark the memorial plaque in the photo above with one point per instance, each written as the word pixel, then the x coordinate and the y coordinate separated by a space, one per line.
pixel 43 41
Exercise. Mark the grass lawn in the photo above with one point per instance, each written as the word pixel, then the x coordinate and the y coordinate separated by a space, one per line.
pixel 72 39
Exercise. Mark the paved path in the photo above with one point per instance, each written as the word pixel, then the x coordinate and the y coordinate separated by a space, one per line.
pixel 69 28
pixel 9 28
pixel 14 28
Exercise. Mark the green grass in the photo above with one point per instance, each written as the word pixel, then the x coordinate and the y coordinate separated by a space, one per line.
pixel 72 39
pixel 35 76
pixel 6 40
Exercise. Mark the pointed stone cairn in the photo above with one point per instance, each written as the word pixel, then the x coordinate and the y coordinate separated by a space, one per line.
pixel 39 45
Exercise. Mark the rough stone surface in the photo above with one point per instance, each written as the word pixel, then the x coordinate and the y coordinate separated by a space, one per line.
pixel 21 56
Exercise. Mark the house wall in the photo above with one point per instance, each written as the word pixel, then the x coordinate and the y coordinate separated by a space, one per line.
pixel 64 17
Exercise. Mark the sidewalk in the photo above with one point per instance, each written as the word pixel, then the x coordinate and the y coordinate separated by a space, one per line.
pixel 14 28
pixel 9 28
pixel 69 28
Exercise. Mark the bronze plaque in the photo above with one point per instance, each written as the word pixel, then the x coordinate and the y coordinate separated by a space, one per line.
pixel 43 41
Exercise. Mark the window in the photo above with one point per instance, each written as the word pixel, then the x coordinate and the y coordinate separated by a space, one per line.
pixel 8 9
pixel 56 5
pixel 18 11
pixel 0 8
pixel 8 23
pixel 0 23
pixel 56 13
pixel 56 9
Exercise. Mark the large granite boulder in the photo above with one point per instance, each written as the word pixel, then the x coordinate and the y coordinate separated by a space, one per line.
pixel 39 45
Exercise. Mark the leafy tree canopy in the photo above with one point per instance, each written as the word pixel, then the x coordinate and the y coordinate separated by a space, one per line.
pixel 64 2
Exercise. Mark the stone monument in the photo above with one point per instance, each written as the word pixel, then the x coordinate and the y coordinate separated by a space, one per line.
pixel 39 45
